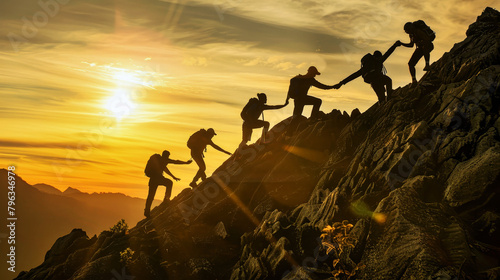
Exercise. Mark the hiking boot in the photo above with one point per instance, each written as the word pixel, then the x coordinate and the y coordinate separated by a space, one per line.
pixel 193 185
pixel 427 68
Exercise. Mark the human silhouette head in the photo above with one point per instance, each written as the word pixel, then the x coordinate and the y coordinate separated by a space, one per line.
pixel 313 71
pixel 262 97
pixel 377 54
pixel 211 132
pixel 408 27
pixel 165 154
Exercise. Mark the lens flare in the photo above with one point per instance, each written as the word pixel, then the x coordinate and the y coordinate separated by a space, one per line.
pixel 309 154
pixel 361 209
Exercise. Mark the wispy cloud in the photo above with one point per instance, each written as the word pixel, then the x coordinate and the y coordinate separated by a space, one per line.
pixel 182 65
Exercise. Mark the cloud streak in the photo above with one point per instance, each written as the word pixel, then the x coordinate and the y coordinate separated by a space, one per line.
pixel 183 65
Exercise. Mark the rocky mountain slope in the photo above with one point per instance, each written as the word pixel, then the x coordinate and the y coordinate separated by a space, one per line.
pixel 45 213
pixel 417 178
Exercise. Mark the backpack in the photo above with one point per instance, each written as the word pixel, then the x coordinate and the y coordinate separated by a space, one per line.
pixel 293 89
pixel 371 68
pixel 251 110
pixel 153 166
pixel 421 25
pixel 196 140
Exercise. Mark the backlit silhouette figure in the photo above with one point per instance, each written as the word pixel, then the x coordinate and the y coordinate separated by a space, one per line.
pixel 422 36
pixel 154 170
pixel 251 113
pixel 299 88
pixel 198 143
pixel 373 72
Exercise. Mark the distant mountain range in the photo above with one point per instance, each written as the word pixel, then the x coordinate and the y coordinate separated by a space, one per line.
pixel 44 213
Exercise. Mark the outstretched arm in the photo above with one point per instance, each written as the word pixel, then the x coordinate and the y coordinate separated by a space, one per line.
pixel 408 45
pixel 218 148
pixel 391 50
pixel 180 161
pixel 348 79
pixel 274 107
pixel 170 173
pixel 320 85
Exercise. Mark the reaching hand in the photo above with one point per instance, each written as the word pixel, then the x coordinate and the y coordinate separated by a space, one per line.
pixel 398 43
pixel 189 161
pixel 337 86
pixel 228 153
pixel 176 179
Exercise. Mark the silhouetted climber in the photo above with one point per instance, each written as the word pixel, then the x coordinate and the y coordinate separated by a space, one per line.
pixel 298 89
pixel 198 143
pixel 373 72
pixel 154 170
pixel 422 36
pixel 251 113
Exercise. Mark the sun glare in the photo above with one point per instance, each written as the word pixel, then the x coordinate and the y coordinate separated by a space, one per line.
pixel 121 104
pixel 124 76
pixel 133 78
pixel 123 101
pixel 129 86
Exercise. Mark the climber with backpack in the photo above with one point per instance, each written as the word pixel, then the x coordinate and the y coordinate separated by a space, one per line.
pixel 251 113
pixel 374 73
pixel 157 164
pixel 298 90
pixel 198 143
pixel 422 36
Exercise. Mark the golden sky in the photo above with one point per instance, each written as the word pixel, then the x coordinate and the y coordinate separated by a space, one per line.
pixel 91 89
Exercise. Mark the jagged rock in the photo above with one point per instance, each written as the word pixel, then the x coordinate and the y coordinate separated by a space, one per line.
pixel 355 113
pixel 409 237
pixel 200 268
pixel 483 170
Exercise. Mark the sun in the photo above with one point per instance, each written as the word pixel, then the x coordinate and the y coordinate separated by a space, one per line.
pixel 123 76
pixel 127 87
pixel 121 103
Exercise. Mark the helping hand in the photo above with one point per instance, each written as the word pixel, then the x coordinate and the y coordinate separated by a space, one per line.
pixel 189 161
pixel 176 179
pixel 398 43
pixel 337 86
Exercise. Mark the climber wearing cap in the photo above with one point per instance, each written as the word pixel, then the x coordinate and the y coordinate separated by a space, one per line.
pixel 251 113
pixel 298 89
pixel 198 143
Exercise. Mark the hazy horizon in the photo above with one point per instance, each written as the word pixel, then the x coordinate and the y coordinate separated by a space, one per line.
pixel 91 89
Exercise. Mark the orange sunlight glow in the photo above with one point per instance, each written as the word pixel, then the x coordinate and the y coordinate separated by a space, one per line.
pixel 129 85
pixel 120 104
pixel 140 78
pixel 311 155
